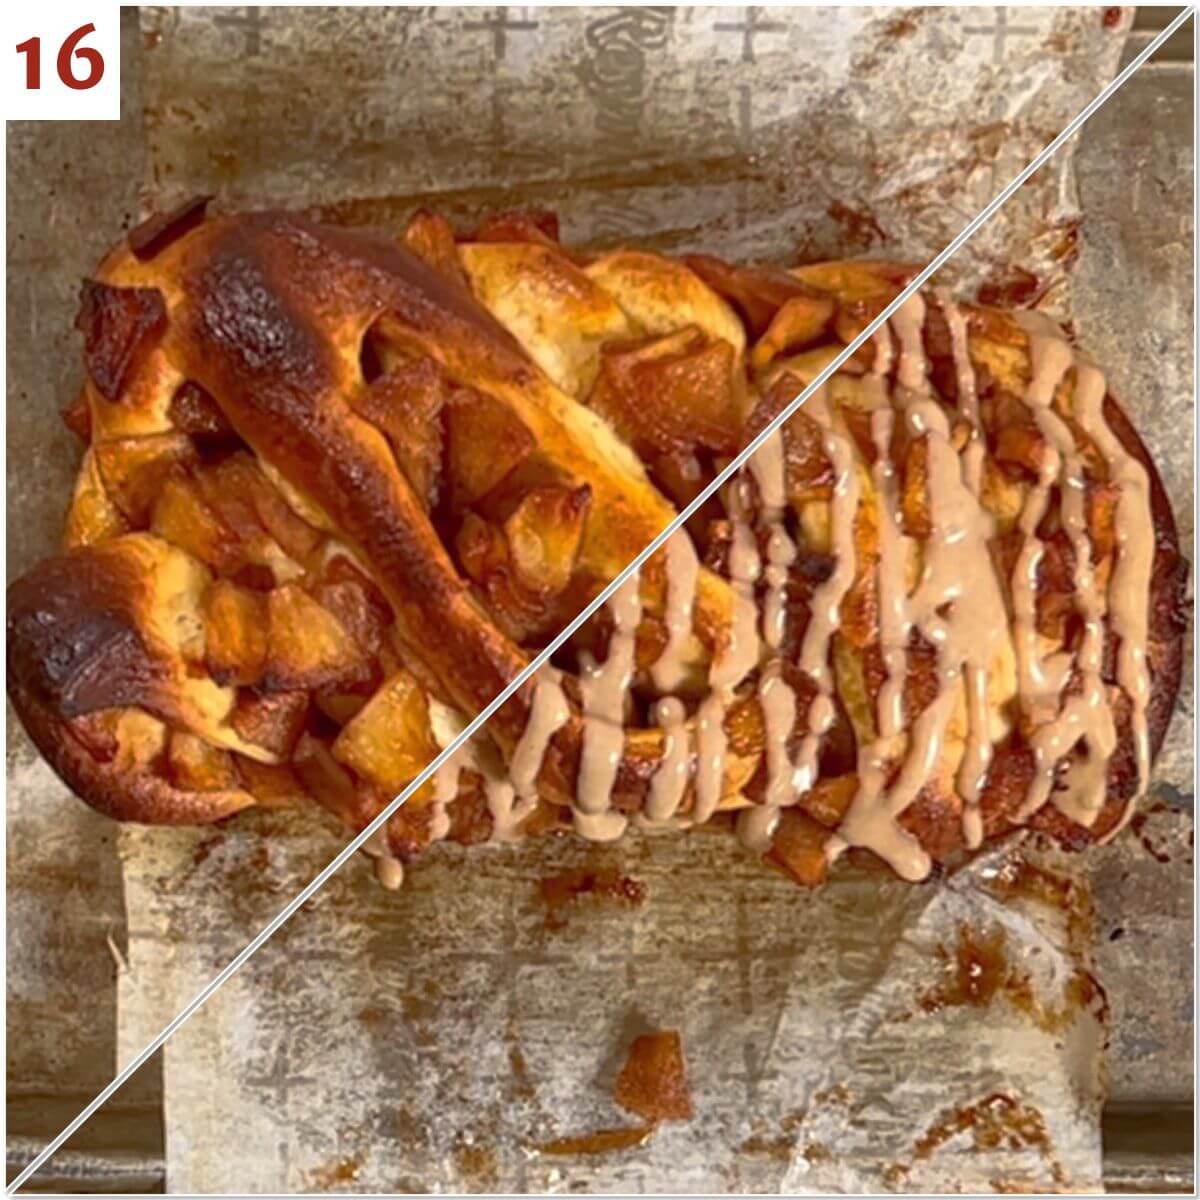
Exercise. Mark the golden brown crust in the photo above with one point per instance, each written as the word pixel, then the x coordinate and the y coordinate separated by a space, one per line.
pixel 340 474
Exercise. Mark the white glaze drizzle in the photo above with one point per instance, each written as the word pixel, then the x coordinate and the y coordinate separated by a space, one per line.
pixel 968 636
pixel 512 801
pixel 768 470
pixel 682 569
pixel 549 711
pixel 894 620
pixel 975 450
pixel 1129 585
pixel 776 697
pixel 825 615
pixel 507 810
pixel 670 780
pixel 389 870
pixel 734 661
pixel 1085 718
pixel 604 688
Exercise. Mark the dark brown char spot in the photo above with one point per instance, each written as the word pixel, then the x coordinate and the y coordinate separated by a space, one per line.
pixel 157 232
pixel 72 641
pixel 119 325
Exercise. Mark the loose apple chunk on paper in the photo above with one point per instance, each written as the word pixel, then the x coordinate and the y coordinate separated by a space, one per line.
pixel 391 739
pixel 653 1081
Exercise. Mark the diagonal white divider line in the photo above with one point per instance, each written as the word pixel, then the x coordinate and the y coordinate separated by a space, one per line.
pixel 355 844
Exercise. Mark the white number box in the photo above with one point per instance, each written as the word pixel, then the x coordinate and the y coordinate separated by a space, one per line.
pixel 63 62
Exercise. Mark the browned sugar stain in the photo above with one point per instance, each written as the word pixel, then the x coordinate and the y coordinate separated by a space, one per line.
pixel 902 26
pixel 860 227
pixel 205 848
pixel 603 1141
pixel 979 970
pixel 329 1177
pixel 781 1147
pixel 778 1148
pixel 1138 825
pixel 997 1122
pixel 1022 879
pixel 372 1014
pixel 562 891
pixel 477 1166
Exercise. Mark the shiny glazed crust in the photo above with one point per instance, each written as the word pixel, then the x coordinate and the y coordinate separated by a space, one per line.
pixel 340 487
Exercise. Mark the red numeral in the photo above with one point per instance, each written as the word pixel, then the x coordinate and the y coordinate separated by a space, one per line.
pixel 32 49
pixel 33 63
pixel 92 57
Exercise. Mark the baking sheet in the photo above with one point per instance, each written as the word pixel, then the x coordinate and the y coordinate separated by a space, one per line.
pixel 290 1039
pixel 436 1039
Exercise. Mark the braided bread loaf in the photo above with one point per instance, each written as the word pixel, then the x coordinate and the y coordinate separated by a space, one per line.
pixel 338 489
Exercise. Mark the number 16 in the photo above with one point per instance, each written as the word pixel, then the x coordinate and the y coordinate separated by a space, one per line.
pixel 32 48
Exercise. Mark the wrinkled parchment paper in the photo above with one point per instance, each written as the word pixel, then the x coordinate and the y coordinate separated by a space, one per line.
pixel 436 1038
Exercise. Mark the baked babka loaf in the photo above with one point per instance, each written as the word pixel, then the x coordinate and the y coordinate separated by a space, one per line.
pixel 338 489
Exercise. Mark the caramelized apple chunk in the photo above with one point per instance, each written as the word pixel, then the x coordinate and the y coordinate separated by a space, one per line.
pixel 391 739
pixel 134 469
pixel 272 720
pixel 235 633
pixel 194 764
pixel 798 848
pixel 307 647
pixel 669 393
pixel 485 440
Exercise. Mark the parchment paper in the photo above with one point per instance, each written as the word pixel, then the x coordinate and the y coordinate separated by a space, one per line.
pixel 436 1038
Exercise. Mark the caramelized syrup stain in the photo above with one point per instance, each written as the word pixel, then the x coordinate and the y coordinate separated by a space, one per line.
pixel 1021 879
pixel 327 1178
pixel 603 1141
pixel 997 1122
pixel 477 1166
pixel 1139 823
pixel 561 891
pixel 979 970
pixel 782 1146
